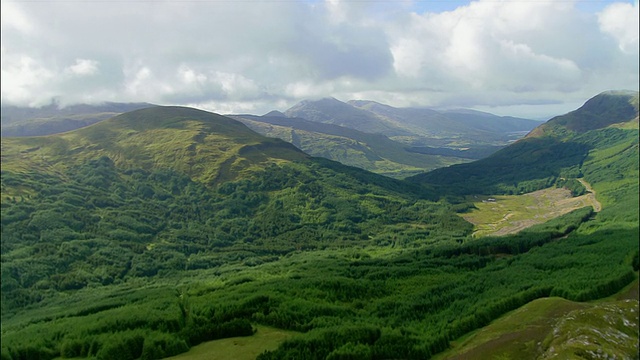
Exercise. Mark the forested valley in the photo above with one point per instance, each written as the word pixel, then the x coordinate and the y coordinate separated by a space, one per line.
pixel 144 235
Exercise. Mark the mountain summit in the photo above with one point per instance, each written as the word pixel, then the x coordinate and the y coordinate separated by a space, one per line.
pixel 602 110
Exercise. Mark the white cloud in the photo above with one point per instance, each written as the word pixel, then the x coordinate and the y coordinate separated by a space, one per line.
pixel 620 20
pixel 487 52
pixel 266 55
pixel 308 89
pixel 139 81
pixel 83 67
pixel 236 85
pixel 24 81
pixel 13 18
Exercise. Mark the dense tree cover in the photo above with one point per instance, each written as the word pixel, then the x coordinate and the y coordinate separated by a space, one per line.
pixel 527 165
pixel 409 303
pixel 110 262
pixel 103 226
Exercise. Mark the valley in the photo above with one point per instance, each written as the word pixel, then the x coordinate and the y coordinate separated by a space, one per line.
pixel 509 214
pixel 156 231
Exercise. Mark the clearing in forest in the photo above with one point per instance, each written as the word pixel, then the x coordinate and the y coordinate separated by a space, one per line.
pixel 238 348
pixel 508 214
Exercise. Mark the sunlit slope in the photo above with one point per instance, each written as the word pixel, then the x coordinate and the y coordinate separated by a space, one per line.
pixel 207 147
pixel 605 109
pixel 555 328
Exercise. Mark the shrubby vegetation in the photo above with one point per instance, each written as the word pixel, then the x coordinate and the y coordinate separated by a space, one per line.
pixel 108 261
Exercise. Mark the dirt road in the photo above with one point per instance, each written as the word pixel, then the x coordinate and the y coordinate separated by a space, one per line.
pixel 591 195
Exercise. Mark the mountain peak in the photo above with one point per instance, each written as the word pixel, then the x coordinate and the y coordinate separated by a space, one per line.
pixel 275 113
pixel 602 110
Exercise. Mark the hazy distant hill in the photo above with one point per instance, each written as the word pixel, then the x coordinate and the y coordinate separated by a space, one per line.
pixel 51 119
pixel 373 152
pixel 416 126
pixel 392 141
pixel 333 111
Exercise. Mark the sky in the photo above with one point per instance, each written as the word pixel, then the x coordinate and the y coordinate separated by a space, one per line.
pixel 528 58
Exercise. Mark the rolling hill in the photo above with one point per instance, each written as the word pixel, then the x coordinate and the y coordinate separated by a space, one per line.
pixel 156 230
pixel 416 126
pixel 368 149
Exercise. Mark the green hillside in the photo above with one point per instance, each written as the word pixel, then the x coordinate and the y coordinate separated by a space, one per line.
pixel 547 328
pixel 144 235
pixel 605 129
pixel 603 110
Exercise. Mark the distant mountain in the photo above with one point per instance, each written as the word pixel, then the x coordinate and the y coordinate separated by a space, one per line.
pixel 51 119
pixel 416 126
pixel 392 141
pixel 449 122
pixel 373 152
pixel 606 124
pixel 333 111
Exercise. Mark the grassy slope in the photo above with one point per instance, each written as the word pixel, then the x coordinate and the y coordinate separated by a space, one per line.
pixel 20 121
pixel 207 147
pixel 555 328
pixel 556 149
pixel 508 214
pixel 238 348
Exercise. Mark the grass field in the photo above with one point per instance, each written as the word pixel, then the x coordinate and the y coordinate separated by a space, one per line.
pixel 238 348
pixel 508 214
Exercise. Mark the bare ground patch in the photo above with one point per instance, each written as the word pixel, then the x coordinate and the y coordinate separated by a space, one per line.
pixel 509 214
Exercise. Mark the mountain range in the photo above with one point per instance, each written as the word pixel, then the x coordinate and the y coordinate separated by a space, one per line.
pixel 416 126
pixel 148 233
pixel 396 142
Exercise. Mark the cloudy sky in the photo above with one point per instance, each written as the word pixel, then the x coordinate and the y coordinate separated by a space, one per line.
pixel 532 58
